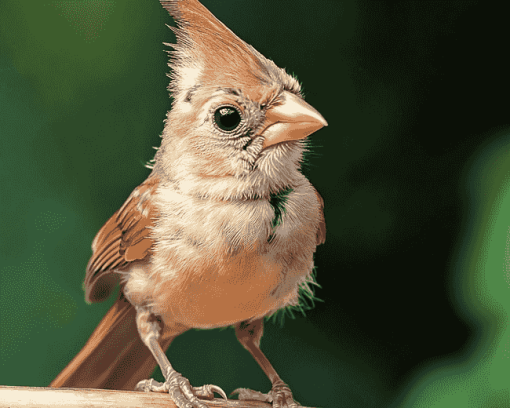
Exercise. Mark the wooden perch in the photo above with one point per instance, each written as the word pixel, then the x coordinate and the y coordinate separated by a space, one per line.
pixel 39 397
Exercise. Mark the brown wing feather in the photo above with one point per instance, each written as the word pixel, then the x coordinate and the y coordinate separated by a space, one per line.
pixel 321 231
pixel 124 238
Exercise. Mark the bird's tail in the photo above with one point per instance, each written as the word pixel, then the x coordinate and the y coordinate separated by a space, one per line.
pixel 114 357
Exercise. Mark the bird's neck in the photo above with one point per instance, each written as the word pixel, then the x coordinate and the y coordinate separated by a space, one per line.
pixel 230 188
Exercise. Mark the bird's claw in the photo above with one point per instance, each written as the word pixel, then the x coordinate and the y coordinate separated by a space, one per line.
pixel 207 391
pixel 181 391
pixel 280 396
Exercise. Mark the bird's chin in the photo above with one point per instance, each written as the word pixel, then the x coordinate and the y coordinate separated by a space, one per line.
pixel 281 149
pixel 271 163
pixel 279 145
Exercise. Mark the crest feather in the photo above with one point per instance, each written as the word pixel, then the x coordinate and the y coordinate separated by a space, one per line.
pixel 208 53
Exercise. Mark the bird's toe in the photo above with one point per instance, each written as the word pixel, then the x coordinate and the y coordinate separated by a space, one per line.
pixel 280 396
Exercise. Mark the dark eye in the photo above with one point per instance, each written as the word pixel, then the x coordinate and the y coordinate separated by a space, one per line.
pixel 227 118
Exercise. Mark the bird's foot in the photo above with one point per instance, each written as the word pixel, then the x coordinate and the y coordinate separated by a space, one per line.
pixel 280 396
pixel 181 391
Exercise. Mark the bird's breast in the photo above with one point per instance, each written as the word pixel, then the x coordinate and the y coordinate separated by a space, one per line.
pixel 223 262
pixel 221 294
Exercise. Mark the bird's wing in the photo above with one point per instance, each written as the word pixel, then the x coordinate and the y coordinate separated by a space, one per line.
pixel 124 238
pixel 321 230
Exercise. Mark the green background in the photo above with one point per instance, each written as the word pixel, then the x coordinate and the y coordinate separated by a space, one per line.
pixel 413 168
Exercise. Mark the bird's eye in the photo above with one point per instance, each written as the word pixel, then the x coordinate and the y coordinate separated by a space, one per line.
pixel 227 118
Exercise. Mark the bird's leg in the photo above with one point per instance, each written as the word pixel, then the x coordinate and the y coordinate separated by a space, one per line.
pixel 249 335
pixel 179 387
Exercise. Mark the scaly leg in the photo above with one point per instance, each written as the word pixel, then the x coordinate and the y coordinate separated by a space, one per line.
pixel 179 387
pixel 249 335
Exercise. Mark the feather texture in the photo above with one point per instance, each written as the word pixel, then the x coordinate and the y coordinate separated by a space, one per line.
pixel 124 239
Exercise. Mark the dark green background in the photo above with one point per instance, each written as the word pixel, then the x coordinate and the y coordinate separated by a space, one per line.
pixel 413 170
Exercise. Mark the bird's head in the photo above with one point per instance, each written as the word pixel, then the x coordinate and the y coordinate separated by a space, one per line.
pixel 237 120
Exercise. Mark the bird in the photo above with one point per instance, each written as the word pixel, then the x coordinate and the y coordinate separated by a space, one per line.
pixel 222 232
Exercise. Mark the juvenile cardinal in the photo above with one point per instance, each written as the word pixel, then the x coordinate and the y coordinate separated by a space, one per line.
pixel 222 232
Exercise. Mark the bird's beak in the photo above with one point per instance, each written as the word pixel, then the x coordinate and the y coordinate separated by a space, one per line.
pixel 294 119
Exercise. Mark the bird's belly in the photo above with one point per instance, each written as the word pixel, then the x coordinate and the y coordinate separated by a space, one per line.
pixel 220 294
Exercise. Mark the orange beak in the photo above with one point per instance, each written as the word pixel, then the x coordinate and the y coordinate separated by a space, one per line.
pixel 294 119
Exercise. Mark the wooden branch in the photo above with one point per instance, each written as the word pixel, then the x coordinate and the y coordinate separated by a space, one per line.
pixel 40 397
